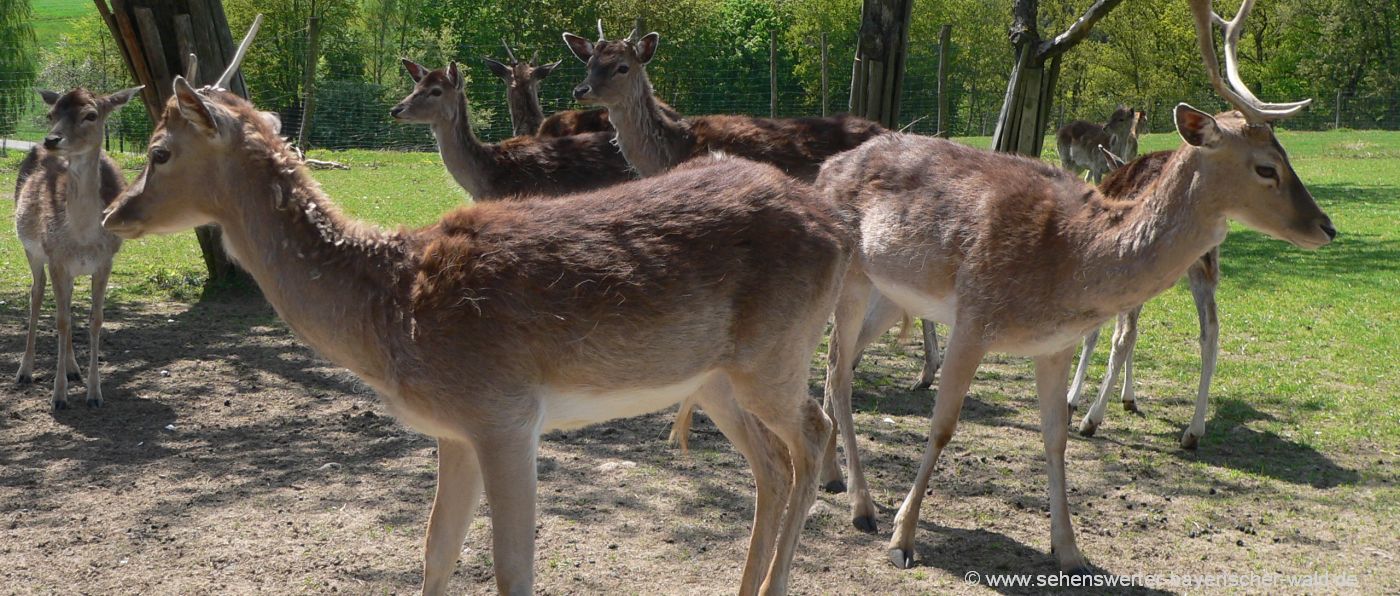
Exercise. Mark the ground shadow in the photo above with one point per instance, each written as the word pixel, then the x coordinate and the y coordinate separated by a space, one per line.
pixel 1230 444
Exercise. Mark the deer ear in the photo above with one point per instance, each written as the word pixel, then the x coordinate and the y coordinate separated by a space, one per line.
pixel 543 71
pixel 273 120
pixel 50 97
pixel 646 46
pixel 194 109
pixel 498 69
pixel 415 70
pixel 1196 127
pixel 119 99
pixel 454 76
pixel 581 48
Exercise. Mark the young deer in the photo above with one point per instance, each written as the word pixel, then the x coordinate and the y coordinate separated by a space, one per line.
pixel 506 320
pixel 518 166
pixel 1078 142
pixel 62 189
pixel 1024 258
pixel 1127 181
pixel 522 81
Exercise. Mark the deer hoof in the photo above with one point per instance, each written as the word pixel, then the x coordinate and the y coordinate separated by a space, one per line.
pixel 94 402
pixel 60 404
pixel 1131 406
pixel 1189 441
pixel 864 523
pixel 901 558
pixel 835 486
pixel 1088 428
pixel 921 385
pixel 23 378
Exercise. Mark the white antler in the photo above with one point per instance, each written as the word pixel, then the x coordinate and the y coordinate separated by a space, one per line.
pixel 509 53
pixel 600 30
pixel 238 56
pixel 192 68
pixel 1235 92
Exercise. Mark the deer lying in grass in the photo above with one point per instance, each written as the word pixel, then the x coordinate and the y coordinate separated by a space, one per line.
pixel 1024 258
pixel 1126 181
pixel 505 320
pixel 61 192
pixel 520 166
pixel 522 81
pixel 1078 142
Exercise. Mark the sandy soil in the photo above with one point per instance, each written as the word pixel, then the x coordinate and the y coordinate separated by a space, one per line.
pixel 229 459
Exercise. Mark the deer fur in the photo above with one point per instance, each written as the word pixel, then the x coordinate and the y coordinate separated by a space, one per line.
pixel 520 166
pixel 572 122
pixel 62 189
pixel 654 140
pixel 1078 142
pixel 508 319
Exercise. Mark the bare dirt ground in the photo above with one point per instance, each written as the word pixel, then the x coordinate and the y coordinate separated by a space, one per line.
pixel 229 460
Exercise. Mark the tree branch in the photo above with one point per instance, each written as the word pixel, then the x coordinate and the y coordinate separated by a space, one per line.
pixel 1076 32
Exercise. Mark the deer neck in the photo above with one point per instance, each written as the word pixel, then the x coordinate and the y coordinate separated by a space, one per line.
pixel 1137 248
pixel 526 115
pixel 340 285
pixel 466 157
pixel 650 140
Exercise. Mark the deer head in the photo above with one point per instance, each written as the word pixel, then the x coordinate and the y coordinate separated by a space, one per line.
pixel 436 96
pixel 1240 156
pixel 518 74
pixel 198 147
pixel 616 69
pixel 76 118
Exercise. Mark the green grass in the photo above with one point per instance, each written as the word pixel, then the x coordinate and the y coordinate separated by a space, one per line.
pixel 53 18
pixel 1309 340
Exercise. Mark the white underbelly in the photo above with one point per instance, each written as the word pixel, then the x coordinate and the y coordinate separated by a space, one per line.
pixel 924 306
pixel 573 407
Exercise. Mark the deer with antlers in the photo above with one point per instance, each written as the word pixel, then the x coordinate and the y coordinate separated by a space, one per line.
pixel 62 189
pixel 519 166
pixel 505 320
pixel 522 81
pixel 1024 258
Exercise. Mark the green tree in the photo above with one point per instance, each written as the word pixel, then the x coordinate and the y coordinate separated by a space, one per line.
pixel 17 62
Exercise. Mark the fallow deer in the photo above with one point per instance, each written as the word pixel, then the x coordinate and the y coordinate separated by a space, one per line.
pixel 1078 142
pixel 522 81
pixel 508 319
pixel 1024 258
pixel 1126 181
pixel 62 189
pixel 519 166
pixel 572 122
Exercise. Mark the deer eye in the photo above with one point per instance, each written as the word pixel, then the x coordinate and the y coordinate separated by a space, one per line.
pixel 435 92
pixel 622 69
pixel 1266 172
pixel 90 117
pixel 160 155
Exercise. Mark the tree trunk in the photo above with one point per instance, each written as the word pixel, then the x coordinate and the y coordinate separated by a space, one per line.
pixel 877 77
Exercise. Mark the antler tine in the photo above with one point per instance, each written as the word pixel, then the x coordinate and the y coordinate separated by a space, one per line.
pixel 535 58
pixel 1236 92
pixel 509 53
pixel 636 31
pixel 1232 30
pixel 238 56
pixel 601 37
pixel 192 68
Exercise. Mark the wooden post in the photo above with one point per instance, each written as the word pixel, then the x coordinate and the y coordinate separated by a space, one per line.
pixel 825 95
pixel 308 84
pixel 1337 118
pixel 944 34
pixel 877 75
pixel 773 73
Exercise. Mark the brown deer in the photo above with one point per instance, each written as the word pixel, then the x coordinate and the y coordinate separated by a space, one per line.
pixel 1025 258
pixel 654 141
pixel 508 319
pixel 572 122
pixel 62 189
pixel 519 166
pixel 522 81
pixel 1127 181
pixel 1078 142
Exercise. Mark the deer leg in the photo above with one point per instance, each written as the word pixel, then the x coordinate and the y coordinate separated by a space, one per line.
pixel 1051 375
pixel 99 295
pixel 36 300
pixel 844 344
pixel 63 297
pixel 454 506
pixel 1076 391
pixel 965 351
pixel 878 308
pixel 1123 336
pixel 509 472
pixel 1129 397
pixel 931 356
pixel 1204 276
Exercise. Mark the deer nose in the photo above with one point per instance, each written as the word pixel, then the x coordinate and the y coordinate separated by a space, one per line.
pixel 52 141
pixel 396 111
pixel 1329 230
pixel 581 91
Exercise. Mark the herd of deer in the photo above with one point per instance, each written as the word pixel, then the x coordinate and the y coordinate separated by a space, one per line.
pixel 572 293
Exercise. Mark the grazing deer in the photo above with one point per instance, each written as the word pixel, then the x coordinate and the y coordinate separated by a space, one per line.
pixel 1024 258
pixel 1079 140
pixel 522 81
pixel 520 166
pixel 506 320
pixel 654 141
pixel 61 192
pixel 1126 181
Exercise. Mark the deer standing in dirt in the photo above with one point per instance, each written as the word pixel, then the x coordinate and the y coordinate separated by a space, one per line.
pixel 62 189
pixel 1078 142
pixel 1025 258
pixel 522 81
pixel 505 320
pixel 515 167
